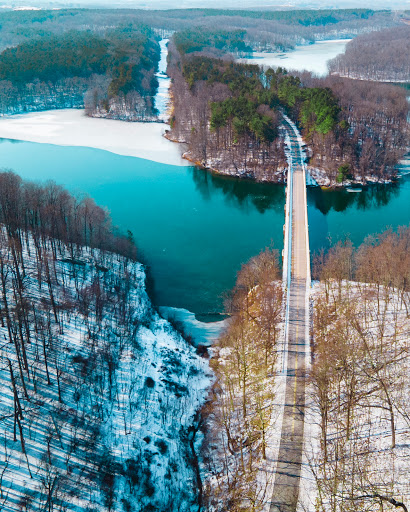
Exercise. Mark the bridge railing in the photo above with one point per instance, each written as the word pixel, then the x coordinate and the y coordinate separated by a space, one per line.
pixel 287 251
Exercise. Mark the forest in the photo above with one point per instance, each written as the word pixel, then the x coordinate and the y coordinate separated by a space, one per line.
pixel 189 41
pixel 357 388
pixel 359 378
pixel 99 393
pixel 264 29
pixel 222 111
pixel 112 75
pixel 229 115
pixel 382 55
pixel 369 134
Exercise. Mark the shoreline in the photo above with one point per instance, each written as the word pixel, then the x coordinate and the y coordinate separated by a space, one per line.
pixel 71 127
pixel 364 79
pixel 145 140
pixel 318 175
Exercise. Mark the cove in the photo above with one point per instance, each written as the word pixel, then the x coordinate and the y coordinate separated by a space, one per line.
pixel 338 214
pixel 312 57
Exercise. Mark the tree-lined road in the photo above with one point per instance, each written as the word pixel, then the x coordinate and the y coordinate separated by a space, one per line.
pixel 287 479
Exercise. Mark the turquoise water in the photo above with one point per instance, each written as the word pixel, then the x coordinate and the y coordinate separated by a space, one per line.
pixel 335 215
pixel 196 229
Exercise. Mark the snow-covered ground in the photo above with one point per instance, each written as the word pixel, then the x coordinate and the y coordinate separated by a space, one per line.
pixel 106 394
pixel 70 127
pixel 371 329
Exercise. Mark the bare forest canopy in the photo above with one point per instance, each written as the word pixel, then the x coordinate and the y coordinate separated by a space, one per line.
pixel 52 212
pixel 264 29
pixel 382 259
pixel 230 114
pixel 112 74
pixel 383 55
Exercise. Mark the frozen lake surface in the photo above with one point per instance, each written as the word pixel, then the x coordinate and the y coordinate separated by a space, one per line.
pixel 70 127
pixel 312 57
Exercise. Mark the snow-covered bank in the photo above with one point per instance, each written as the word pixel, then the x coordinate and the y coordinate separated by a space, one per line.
pixel 202 333
pixel 70 127
pixel 384 79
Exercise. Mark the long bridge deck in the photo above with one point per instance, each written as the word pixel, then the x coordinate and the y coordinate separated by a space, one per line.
pixel 297 276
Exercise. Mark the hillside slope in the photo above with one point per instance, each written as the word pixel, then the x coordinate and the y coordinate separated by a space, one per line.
pixel 98 393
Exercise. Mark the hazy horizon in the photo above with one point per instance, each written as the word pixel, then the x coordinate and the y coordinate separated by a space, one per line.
pixel 228 4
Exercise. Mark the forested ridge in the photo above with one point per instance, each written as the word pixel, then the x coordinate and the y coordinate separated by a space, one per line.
pixel 382 55
pixel 229 114
pixel 275 29
pixel 99 394
pixel 112 75
pixel 264 29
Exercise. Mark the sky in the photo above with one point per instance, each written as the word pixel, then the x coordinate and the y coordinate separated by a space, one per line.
pixel 232 4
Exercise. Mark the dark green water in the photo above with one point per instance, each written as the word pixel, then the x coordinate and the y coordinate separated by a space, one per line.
pixel 195 229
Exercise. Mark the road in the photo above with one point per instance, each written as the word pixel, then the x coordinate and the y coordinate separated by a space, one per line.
pixel 287 479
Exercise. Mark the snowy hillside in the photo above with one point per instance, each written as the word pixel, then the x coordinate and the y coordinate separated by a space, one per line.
pixel 98 393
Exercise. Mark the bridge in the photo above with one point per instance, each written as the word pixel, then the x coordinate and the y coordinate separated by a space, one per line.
pixel 296 275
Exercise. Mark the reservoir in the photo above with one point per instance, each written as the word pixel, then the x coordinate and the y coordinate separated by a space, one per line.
pixel 195 229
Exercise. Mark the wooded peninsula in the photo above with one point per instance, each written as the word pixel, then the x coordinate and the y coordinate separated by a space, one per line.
pixel 229 115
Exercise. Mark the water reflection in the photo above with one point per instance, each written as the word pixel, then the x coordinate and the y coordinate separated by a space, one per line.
pixel 13 141
pixel 241 194
pixel 370 197
pixel 196 228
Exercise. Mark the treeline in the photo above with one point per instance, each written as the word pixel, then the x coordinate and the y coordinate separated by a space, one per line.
pixel 49 211
pixel 104 73
pixel 280 30
pixel 382 55
pixel 239 416
pixel 229 115
pixel 360 375
pixel 264 29
pixel 194 40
